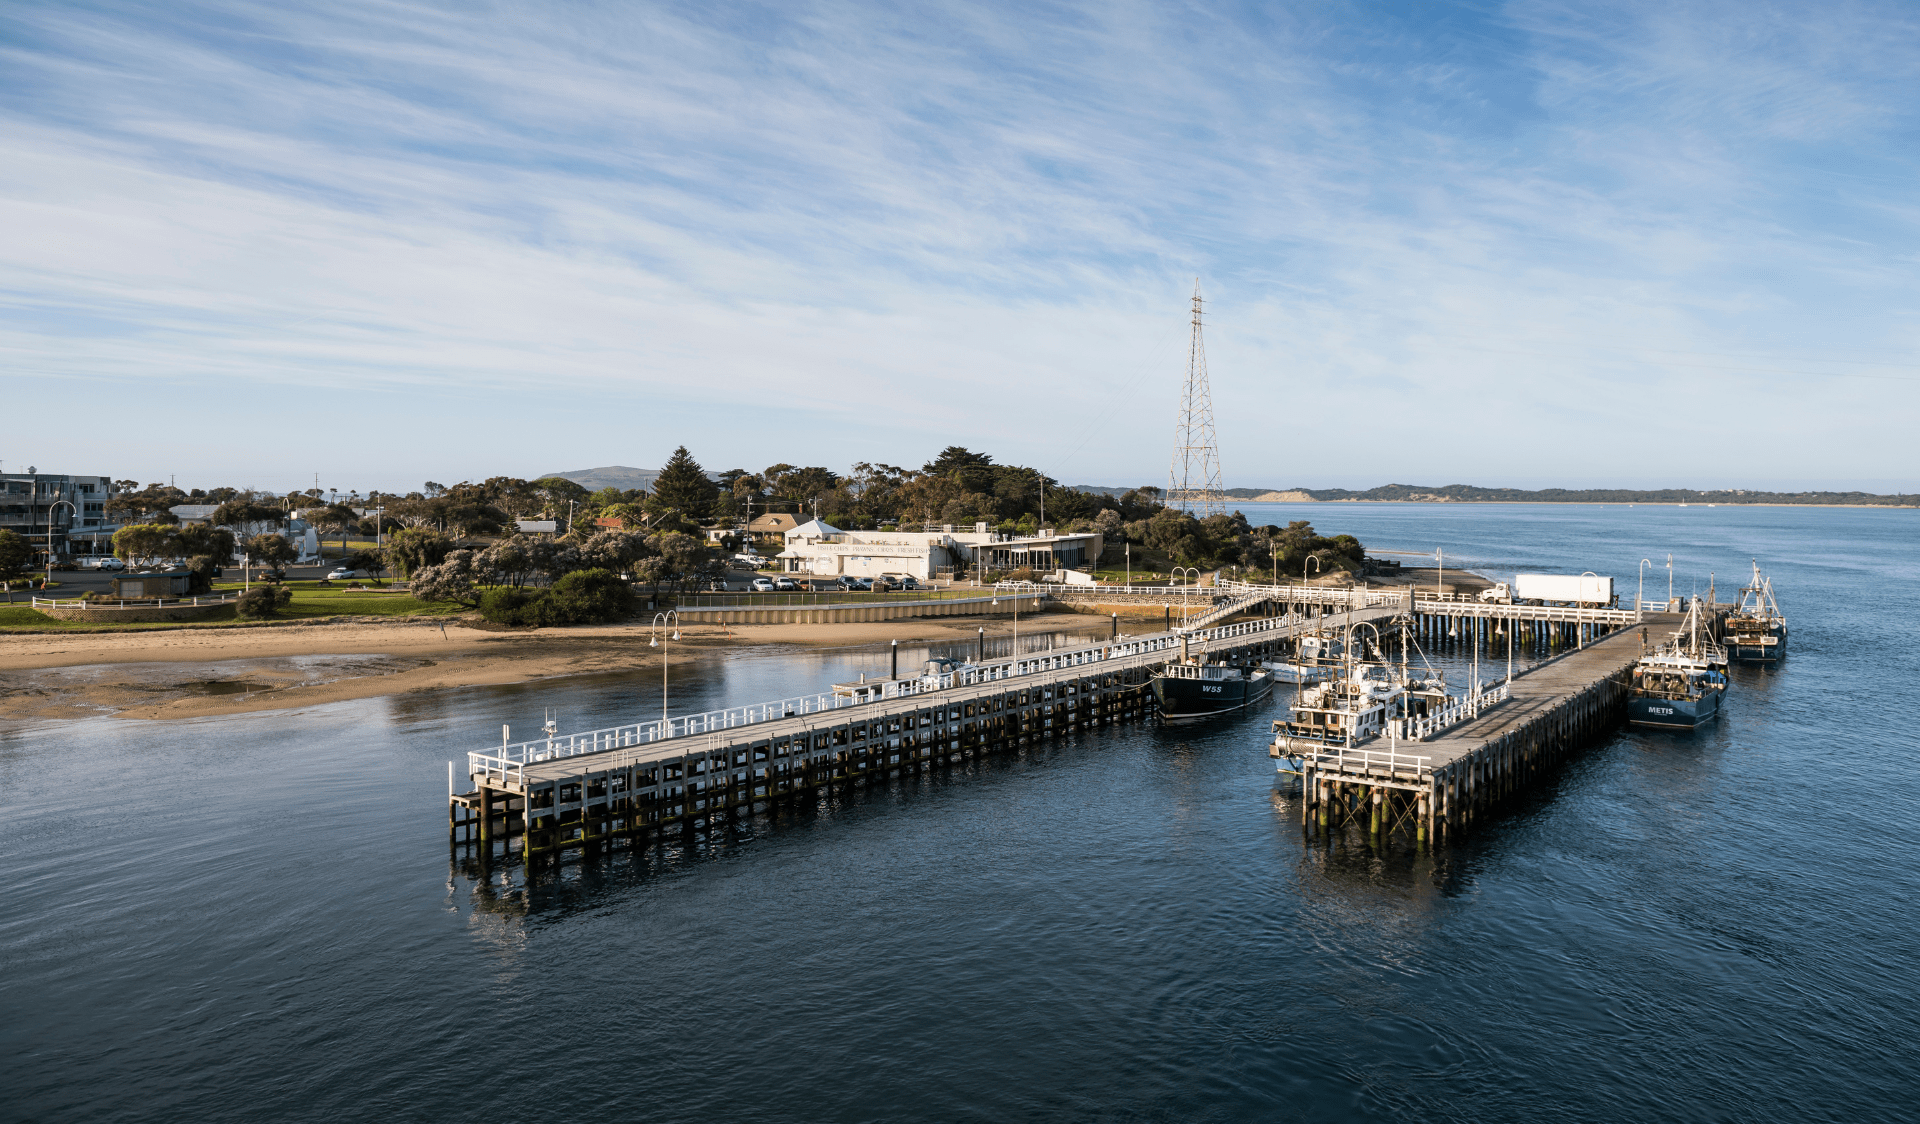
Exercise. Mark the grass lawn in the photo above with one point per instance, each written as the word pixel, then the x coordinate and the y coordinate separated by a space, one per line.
pixel 310 599
pixel 309 602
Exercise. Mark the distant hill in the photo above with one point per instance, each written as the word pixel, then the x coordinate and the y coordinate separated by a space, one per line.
pixel 612 476
pixel 1467 493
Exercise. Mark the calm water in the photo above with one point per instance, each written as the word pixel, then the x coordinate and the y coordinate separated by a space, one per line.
pixel 254 918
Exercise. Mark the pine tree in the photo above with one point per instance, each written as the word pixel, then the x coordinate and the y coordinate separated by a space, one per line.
pixel 683 486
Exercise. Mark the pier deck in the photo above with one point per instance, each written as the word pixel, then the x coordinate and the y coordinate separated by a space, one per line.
pixel 638 781
pixel 1441 784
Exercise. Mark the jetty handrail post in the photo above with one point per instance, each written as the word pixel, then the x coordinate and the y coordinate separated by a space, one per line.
pixel 662 624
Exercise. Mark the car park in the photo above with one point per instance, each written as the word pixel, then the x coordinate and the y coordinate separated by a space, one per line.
pixel 763 585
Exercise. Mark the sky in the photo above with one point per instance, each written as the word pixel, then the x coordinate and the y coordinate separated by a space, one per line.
pixel 1528 245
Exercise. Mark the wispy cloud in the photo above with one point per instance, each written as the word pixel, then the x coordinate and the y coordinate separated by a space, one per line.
pixel 837 230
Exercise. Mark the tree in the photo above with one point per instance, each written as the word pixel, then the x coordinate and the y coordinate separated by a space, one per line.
pixel 139 543
pixel 193 539
pixel 336 519
pixel 455 579
pixel 411 549
pixel 149 505
pixel 248 515
pixel 270 550
pixel 682 486
pixel 372 561
pixel 15 553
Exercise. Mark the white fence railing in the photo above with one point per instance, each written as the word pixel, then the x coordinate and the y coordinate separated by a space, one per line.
pixel 1368 760
pixel 134 602
pixel 1461 710
pixel 511 758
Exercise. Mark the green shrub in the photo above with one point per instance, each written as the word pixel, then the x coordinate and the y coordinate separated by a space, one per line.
pixel 582 597
pixel 262 601
pixel 593 597
pixel 516 606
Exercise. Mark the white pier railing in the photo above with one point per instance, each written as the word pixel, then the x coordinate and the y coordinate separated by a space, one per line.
pixel 1465 708
pixel 512 757
pixel 1389 760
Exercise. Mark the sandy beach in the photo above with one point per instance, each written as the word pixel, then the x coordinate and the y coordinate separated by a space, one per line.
pixel 192 673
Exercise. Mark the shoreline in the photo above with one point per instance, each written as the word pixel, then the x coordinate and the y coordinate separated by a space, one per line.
pixel 203 673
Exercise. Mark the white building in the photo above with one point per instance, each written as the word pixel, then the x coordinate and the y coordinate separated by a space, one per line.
pixel 824 550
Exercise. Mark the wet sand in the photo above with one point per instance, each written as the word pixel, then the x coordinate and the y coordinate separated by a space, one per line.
pixel 201 672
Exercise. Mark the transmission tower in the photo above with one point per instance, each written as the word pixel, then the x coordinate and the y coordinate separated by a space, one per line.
pixel 1193 484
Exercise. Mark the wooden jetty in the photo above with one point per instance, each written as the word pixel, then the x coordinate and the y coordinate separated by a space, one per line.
pixel 1439 785
pixel 641 781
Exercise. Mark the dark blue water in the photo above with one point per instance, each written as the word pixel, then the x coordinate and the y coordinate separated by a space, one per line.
pixel 254 918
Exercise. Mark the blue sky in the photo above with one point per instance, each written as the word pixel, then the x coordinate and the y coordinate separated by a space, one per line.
pixel 1529 244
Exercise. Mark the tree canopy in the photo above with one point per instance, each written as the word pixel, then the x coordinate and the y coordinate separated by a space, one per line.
pixel 682 486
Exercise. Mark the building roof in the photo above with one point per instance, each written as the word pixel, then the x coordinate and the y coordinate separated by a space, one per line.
pixel 816 527
pixel 774 521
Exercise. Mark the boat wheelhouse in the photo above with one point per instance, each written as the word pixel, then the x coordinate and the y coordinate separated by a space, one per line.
pixel 1756 632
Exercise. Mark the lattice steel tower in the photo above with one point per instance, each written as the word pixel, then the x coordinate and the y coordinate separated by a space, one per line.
pixel 1193 484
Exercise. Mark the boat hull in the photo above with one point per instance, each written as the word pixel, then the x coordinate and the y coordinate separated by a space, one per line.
pixel 1203 698
pixel 1673 714
pixel 1757 649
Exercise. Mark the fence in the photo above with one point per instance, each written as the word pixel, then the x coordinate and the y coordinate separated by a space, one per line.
pixel 134 602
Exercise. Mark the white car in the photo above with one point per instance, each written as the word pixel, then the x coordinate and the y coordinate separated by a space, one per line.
pixel 763 585
pixel 341 573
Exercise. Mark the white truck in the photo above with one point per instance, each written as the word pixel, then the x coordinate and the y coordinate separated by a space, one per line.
pixel 1552 589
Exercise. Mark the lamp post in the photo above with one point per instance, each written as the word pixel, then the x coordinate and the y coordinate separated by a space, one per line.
pixel 1016 625
pixel 1640 592
pixel 48 580
pixel 1185 589
pixel 1129 550
pixel 663 624
pixel 1669 579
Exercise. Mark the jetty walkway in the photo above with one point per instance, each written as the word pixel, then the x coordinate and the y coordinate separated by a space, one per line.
pixel 1440 784
pixel 639 781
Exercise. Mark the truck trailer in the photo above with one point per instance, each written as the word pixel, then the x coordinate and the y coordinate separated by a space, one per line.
pixel 1552 589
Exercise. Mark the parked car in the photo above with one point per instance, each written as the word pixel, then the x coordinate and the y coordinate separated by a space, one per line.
pixel 750 561
pixel 786 585
pixel 341 573
pixel 896 581
pixel 848 581
pixel 763 585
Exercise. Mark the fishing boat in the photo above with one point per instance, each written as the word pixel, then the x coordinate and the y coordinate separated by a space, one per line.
pixel 1315 658
pixel 1353 709
pixel 1757 630
pixel 1196 689
pixel 1679 685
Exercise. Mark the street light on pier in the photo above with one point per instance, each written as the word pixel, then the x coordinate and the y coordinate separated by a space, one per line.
pixel 1185 589
pixel 663 624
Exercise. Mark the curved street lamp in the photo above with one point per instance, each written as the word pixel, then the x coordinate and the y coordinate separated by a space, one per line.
pixel 663 623
pixel 1016 626
pixel 1185 589
pixel 48 580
